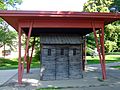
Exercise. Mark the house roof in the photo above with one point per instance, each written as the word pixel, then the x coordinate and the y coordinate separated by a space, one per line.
pixel 52 21
pixel 60 39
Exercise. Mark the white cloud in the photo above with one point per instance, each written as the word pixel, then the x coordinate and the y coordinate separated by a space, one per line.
pixel 53 5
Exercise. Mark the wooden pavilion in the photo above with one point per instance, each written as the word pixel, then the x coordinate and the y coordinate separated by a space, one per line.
pixel 35 23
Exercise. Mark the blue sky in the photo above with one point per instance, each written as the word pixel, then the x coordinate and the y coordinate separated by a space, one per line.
pixel 52 5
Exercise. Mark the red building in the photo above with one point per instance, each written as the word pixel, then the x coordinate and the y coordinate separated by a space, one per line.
pixel 35 23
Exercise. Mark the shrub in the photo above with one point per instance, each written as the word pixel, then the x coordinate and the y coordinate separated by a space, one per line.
pixel 110 46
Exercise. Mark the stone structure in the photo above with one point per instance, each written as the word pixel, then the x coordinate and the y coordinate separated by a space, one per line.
pixel 61 57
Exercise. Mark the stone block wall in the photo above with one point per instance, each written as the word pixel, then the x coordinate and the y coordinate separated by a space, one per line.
pixel 48 64
pixel 65 62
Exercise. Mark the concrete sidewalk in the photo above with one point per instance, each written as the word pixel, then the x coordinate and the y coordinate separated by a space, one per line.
pixel 108 65
pixel 5 75
pixel 91 81
pixel 111 87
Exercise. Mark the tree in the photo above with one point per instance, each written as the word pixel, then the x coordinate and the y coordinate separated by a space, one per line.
pixel 112 32
pixel 7 37
pixel 116 4
pixel 37 45
pixel 6 4
pixel 116 24
pixel 110 46
pixel 97 5
pixel 90 44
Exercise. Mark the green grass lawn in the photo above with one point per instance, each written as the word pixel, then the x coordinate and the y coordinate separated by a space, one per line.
pixel 49 88
pixel 108 58
pixel 118 67
pixel 13 64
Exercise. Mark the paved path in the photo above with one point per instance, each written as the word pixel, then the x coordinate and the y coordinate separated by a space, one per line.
pixel 5 75
pixel 98 66
pixel 91 80
pixel 111 87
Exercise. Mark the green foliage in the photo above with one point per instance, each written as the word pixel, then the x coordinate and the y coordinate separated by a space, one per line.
pixel 90 44
pixel 110 46
pixel 89 51
pixel 37 46
pixel 113 53
pixel 37 54
pixel 90 39
pixel 116 3
pixel 6 4
pixel 97 5
pixel 112 31
pixel 7 37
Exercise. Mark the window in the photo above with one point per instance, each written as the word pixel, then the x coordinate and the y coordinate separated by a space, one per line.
pixel 62 51
pixel 49 52
pixel 74 51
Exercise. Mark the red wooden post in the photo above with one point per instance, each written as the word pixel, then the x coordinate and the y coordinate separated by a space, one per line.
pixel 101 35
pixel 19 57
pixel 84 53
pixel 33 45
pixel 27 60
pixel 96 41
pixel 27 43
pixel 101 53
